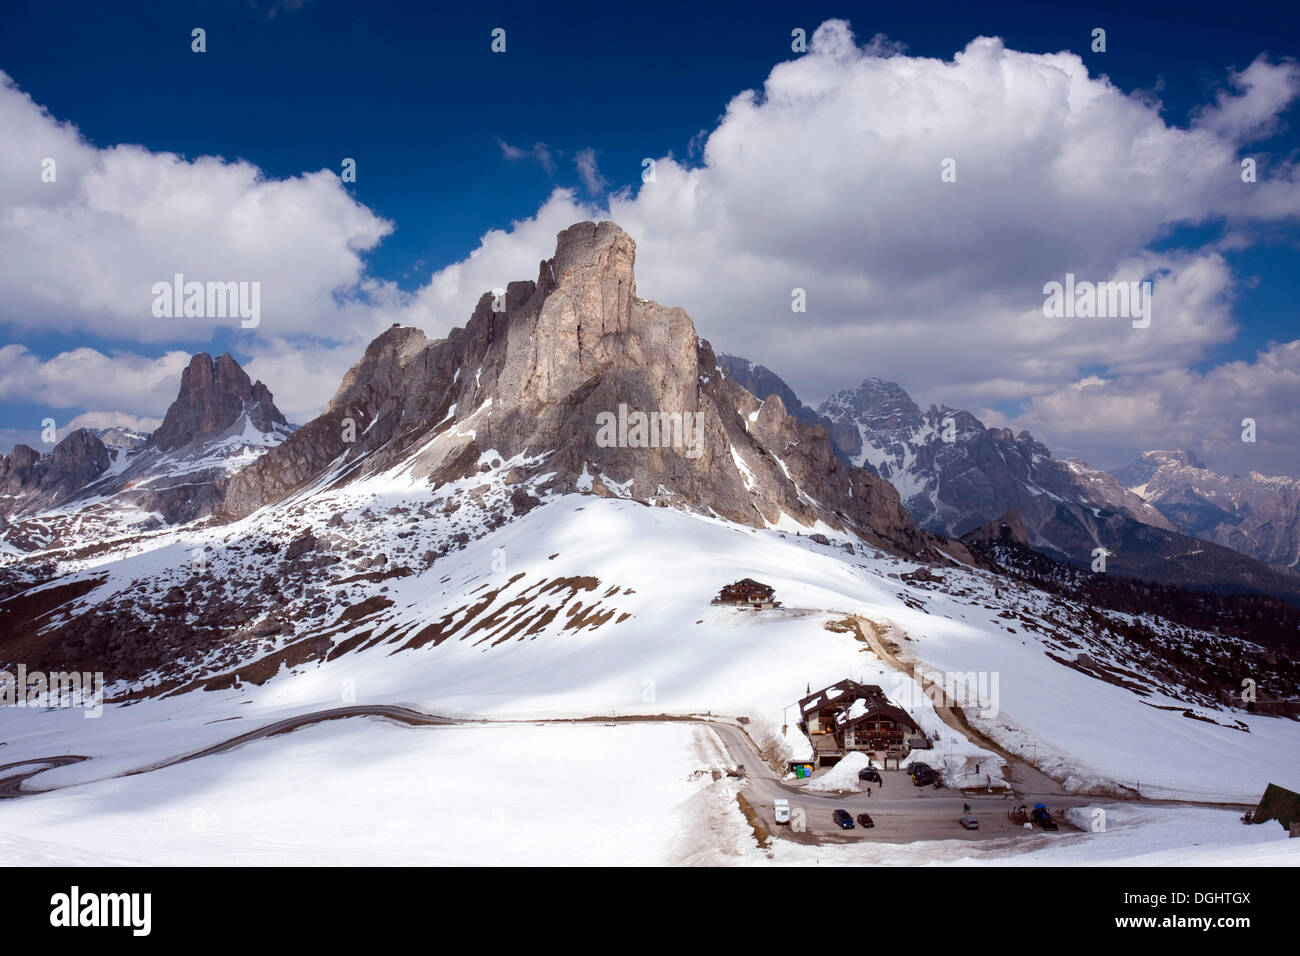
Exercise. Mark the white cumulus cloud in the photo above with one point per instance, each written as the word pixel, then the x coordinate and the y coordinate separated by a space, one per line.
pixel 826 179
pixel 82 253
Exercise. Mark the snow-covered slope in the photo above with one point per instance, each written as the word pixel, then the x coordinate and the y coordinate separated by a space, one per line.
pixel 597 606
pixel 373 793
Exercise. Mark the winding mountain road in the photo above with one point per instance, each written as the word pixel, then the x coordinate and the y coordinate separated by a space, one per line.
pixel 907 814
pixel 12 784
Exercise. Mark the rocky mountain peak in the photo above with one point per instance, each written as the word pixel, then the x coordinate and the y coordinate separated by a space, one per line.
pixel 121 439
pixel 955 475
pixel 1256 515
pixel 385 357
pixel 18 464
pixel 214 394
pixel 600 253
pixel 1140 472
pixel 29 480
pixel 761 382
pixel 220 421
pixel 877 402
pixel 874 385
pixel 586 389
pixel 79 458
pixel 1175 456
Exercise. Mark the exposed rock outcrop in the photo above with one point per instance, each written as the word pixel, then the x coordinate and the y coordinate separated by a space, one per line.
pixel 219 422
pixel 30 481
pixel 555 379
pixel 956 475
pixel 762 382
pixel 16 468
pixel 214 395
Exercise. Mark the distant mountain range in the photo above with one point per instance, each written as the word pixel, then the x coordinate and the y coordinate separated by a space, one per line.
pixel 1258 515
pixel 1161 519
pixel 106 481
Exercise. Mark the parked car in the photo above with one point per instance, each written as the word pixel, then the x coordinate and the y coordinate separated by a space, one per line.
pixel 924 778
pixel 843 820
pixel 782 808
pixel 864 820
pixel 869 774
pixel 918 767
pixel 969 822
pixel 1043 818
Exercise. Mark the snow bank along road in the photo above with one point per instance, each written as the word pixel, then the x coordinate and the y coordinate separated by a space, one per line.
pixel 902 813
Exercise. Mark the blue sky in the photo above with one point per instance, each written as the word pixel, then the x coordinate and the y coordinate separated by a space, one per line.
pixel 414 94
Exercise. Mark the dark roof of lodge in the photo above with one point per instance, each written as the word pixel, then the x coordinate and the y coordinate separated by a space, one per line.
pixel 748 584
pixel 878 710
pixel 846 693
pixel 843 690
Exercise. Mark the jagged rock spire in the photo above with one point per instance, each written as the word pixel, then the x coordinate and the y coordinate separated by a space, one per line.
pixel 213 396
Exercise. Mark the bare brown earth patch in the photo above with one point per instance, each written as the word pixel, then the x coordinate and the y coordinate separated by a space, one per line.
pixel 24 615
pixel 296 654
pixel 363 609
pixel 762 835
pixel 591 617
pixel 374 577
pixel 346 645
pixel 524 615
pixel 317 646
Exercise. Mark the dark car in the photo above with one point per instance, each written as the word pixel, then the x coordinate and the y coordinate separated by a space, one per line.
pixel 1043 818
pixel 918 767
pixel 843 820
pixel 864 820
pixel 869 774
pixel 924 778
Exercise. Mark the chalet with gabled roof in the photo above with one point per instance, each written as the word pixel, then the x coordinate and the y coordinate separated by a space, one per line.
pixel 849 716
pixel 748 593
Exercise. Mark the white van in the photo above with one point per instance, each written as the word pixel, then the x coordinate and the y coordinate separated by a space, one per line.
pixel 782 808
